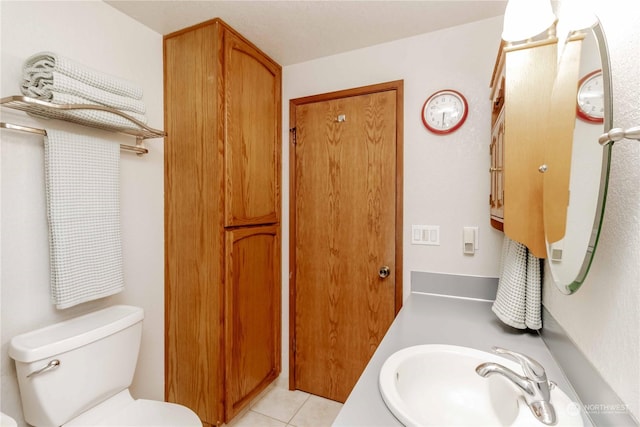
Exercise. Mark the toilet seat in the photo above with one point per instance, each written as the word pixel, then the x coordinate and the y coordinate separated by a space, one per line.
pixel 122 410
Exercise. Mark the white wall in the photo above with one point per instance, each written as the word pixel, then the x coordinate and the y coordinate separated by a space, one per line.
pixel 603 317
pixel 446 180
pixel 95 34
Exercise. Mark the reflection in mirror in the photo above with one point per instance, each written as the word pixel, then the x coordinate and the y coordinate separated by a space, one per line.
pixel 575 183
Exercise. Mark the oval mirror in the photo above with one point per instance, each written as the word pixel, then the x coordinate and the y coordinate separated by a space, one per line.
pixel 575 183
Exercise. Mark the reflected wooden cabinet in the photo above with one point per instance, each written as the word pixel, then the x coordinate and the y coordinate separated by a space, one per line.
pixel 521 88
pixel 222 220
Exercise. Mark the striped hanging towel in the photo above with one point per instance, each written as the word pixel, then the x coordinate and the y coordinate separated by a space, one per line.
pixel 82 177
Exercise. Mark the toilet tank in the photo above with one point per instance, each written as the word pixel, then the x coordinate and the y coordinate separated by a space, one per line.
pixel 96 358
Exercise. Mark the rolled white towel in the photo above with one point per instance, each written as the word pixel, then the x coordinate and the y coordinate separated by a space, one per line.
pixel 43 85
pixel 63 98
pixel 47 62
pixel 90 117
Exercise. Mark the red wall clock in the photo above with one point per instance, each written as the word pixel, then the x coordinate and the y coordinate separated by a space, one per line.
pixel 444 111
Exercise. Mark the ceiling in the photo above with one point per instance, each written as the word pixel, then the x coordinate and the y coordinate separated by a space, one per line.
pixel 293 31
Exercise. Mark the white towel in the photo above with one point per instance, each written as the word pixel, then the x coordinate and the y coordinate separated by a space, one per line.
pixel 90 117
pixel 102 116
pixel 518 301
pixel 46 62
pixel 82 176
pixel 43 85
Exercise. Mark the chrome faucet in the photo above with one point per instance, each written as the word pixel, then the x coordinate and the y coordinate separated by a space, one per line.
pixel 536 388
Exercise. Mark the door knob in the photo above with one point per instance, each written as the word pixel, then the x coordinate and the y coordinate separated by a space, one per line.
pixel 384 272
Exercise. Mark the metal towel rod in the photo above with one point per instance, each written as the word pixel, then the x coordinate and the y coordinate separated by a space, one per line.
pixel 20 128
pixel 617 134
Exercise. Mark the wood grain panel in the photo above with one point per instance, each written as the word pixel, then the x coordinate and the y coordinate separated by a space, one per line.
pixel 252 147
pixel 497 167
pixel 559 145
pixel 528 97
pixel 253 313
pixel 193 244
pixel 210 133
pixel 345 230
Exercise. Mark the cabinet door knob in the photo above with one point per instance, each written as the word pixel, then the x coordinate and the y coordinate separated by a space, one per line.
pixel 542 168
pixel 384 272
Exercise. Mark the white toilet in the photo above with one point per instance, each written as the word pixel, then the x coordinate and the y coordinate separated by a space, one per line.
pixel 78 373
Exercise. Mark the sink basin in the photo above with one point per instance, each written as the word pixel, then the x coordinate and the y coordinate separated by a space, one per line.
pixel 7 421
pixel 437 385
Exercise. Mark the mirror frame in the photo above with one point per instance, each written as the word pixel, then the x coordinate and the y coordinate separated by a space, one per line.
pixel 570 288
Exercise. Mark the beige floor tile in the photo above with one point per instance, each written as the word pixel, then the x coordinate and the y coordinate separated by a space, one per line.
pixel 254 419
pixel 316 412
pixel 282 381
pixel 280 403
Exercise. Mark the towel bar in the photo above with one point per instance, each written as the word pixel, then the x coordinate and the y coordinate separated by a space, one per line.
pixel 28 129
pixel 61 112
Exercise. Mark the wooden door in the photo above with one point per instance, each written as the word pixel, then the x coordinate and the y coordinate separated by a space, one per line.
pixel 347 222
pixel 252 271
pixel 252 134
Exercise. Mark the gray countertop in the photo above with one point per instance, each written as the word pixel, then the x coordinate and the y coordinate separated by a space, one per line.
pixel 438 319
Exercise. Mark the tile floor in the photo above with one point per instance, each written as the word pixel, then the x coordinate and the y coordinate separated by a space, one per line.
pixel 280 407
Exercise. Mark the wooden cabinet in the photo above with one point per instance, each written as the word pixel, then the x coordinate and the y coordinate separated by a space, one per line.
pixel 496 148
pixel 251 112
pixel 521 89
pixel 222 214
pixel 252 273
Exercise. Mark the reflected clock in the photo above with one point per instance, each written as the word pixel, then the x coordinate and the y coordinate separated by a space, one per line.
pixel 590 99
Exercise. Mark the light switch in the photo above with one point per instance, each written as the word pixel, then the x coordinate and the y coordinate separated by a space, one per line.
pixel 425 235
pixel 470 240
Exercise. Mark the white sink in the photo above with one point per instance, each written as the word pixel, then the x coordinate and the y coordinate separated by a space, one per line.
pixel 7 421
pixel 437 385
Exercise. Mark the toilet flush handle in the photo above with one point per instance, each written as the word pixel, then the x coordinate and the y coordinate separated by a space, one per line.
pixel 51 365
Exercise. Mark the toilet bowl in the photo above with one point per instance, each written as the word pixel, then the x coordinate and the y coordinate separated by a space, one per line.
pixel 78 373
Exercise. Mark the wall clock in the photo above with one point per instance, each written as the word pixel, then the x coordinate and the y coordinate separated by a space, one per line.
pixel 444 111
pixel 590 99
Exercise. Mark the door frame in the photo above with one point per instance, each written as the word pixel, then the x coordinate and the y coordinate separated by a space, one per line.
pixel 398 86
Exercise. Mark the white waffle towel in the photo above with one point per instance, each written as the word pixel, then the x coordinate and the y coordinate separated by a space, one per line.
pixel 95 116
pixel 90 117
pixel 83 209
pixel 43 85
pixel 518 301
pixel 44 63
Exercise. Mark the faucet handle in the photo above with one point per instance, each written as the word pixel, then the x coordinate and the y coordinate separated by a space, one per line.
pixel 532 369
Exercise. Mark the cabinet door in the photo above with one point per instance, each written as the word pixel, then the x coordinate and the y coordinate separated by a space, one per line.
pixel 526 115
pixel 252 116
pixel 252 313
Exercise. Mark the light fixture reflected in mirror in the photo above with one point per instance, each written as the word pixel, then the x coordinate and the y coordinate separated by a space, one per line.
pixel 525 19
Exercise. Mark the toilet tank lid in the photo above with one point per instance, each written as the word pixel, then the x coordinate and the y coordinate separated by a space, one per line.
pixel 73 333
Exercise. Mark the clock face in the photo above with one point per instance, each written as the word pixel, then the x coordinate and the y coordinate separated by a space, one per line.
pixel 444 111
pixel 591 97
